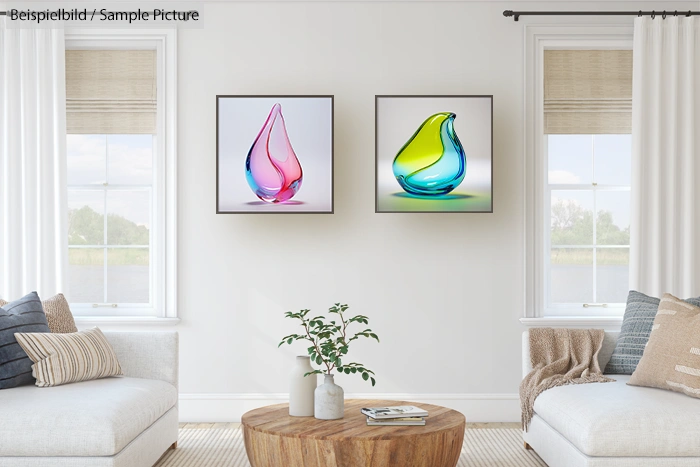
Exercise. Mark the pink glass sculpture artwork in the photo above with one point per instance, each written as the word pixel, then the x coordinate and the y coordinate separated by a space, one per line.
pixel 272 168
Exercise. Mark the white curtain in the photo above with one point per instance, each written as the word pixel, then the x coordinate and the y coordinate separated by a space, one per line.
pixel 33 209
pixel 665 223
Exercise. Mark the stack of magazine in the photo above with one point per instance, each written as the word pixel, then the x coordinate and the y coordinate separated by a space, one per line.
pixel 402 415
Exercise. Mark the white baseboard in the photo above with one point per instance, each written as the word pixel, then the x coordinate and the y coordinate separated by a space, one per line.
pixel 230 407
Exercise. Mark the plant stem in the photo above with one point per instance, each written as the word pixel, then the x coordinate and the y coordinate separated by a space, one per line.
pixel 338 354
pixel 345 325
pixel 318 351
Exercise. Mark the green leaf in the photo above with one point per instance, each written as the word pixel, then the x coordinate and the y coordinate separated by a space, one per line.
pixel 346 370
pixel 319 360
pixel 365 376
pixel 337 361
pixel 354 370
pixel 289 341
pixel 373 381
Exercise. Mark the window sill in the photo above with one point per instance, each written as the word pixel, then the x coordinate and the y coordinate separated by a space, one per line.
pixel 609 323
pixel 84 321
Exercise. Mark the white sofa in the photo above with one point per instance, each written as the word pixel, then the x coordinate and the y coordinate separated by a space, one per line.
pixel 125 421
pixel 613 424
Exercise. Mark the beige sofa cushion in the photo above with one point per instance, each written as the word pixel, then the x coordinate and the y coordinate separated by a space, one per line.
pixel 92 418
pixel 615 419
pixel 671 358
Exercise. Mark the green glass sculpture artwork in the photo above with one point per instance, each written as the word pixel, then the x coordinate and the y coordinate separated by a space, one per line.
pixel 432 162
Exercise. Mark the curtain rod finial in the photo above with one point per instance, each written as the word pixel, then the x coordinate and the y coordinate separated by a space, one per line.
pixel 511 13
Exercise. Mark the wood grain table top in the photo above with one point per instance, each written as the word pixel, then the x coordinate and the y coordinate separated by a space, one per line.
pixel 275 419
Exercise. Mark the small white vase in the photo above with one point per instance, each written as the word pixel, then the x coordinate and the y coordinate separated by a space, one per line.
pixel 329 400
pixel 301 389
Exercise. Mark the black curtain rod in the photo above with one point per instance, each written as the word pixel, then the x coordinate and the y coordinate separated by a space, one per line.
pixel 517 14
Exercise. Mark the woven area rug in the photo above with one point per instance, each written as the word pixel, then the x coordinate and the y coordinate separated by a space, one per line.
pixel 214 447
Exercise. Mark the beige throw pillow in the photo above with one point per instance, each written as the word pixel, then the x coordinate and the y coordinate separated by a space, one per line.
pixel 671 358
pixel 67 358
pixel 58 314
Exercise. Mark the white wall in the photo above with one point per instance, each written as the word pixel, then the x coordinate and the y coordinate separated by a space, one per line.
pixel 443 291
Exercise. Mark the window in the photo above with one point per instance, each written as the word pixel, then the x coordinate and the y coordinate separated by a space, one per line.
pixel 588 193
pixel 110 214
pixel 587 147
pixel 121 173
pixel 578 104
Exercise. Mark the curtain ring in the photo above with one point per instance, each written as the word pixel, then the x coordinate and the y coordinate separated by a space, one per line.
pixel 675 13
pixel 664 15
pixel 640 14
pixel 653 14
pixel 688 15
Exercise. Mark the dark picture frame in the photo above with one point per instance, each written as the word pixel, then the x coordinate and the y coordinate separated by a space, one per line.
pixel 381 184
pixel 259 207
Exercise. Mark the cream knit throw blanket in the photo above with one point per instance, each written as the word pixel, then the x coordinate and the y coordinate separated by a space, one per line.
pixel 560 357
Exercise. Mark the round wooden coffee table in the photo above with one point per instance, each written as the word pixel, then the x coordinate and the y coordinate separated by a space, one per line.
pixel 274 439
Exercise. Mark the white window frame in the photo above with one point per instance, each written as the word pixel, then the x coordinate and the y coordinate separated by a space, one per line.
pixel 539 38
pixel 164 231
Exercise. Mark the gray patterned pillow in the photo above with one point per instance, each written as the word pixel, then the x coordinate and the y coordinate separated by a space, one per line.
pixel 23 315
pixel 636 326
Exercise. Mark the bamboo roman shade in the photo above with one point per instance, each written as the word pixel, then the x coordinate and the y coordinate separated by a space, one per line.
pixel 587 91
pixel 111 91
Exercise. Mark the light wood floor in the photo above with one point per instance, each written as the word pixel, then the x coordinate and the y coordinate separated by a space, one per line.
pixel 205 426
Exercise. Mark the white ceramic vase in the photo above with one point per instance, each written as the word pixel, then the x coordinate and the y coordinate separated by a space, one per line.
pixel 301 389
pixel 329 400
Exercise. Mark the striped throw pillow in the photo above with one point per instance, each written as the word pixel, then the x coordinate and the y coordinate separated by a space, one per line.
pixel 23 315
pixel 671 359
pixel 58 313
pixel 68 358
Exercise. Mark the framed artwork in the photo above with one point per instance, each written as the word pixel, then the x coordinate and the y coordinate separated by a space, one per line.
pixel 434 153
pixel 274 154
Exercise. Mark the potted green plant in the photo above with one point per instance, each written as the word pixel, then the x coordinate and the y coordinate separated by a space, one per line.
pixel 330 341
